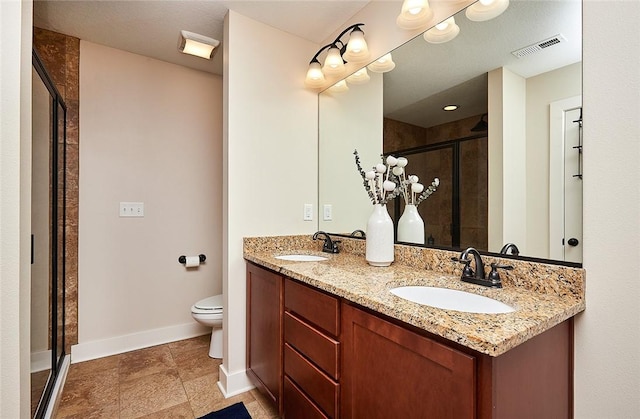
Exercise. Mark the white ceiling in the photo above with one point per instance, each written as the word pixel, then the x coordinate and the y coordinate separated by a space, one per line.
pixel 151 28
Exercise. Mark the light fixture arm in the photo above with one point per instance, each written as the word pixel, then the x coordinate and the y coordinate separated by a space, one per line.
pixel 337 41
pixel 315 57
pixel 352 27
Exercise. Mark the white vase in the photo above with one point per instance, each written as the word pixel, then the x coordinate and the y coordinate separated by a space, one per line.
pixel 379 241
pixel 411 226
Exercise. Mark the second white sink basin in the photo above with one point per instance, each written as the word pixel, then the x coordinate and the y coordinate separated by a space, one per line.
pixel 449 299
pixel 302 258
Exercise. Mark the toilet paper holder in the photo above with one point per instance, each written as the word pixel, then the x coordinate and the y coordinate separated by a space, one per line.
pixel 183 259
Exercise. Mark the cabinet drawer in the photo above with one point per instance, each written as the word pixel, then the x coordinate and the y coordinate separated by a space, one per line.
pixel 315 306
pixel 297 405
pixel 313 344
pixel 318 386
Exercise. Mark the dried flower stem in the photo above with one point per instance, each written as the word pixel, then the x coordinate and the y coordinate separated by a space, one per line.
pixel 427 192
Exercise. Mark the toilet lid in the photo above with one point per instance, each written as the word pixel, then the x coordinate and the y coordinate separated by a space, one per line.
pixel 212 303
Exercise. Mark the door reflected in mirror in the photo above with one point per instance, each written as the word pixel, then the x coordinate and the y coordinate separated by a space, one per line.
pixel 500 185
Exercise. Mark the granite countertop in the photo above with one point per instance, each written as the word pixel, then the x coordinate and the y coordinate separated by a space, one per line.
pixel 347 275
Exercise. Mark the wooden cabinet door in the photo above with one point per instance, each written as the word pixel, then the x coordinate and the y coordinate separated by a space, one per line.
pixel 265 305
pixel 391 372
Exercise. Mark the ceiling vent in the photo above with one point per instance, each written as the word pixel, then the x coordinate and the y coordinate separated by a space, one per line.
pixel 539 46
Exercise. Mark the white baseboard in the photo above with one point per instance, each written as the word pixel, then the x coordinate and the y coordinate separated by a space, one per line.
pixel 233 384
pixel 52 407
pixel 40 361
pixel 86 351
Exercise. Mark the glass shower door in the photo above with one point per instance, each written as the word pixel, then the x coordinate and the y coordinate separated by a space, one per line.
pixel 47 238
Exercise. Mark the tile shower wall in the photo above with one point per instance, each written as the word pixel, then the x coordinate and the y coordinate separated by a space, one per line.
pixel 61 56
pixel 437 210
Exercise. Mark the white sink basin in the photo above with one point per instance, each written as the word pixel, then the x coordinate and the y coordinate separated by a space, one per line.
pixel 452 299
pixel 302 258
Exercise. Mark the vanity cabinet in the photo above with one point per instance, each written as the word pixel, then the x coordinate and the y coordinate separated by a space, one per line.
pixel 311 352
pixel 264 332
pixel 391 371
pixel 317 356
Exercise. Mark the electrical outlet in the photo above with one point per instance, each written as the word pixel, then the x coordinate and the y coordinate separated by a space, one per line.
pixel 308 212
pixel 131 209
pixel 327 210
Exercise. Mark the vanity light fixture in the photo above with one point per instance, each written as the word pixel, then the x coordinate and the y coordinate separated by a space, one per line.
pixel 339 87
pixel 333 64
pixel 443 32
pixel 359 77
pixel 198 45
pixel 382 64
pixel 355 50
pixel 414 14
pixel 450 108
pixel 486 9
pixel 315 78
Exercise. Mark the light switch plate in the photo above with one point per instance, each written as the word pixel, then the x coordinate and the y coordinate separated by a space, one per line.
pixel 327 212
pixel 131 209
pixel 308 212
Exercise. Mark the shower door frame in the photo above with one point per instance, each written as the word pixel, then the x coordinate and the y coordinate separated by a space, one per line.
pixel 454 145
pixel 57 251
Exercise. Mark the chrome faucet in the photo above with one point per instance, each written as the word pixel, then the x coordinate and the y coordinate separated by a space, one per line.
pixel 329 246
pixel 478 277
pixel 510 246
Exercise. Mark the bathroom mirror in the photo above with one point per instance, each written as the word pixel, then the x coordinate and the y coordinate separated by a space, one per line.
pixel 513 190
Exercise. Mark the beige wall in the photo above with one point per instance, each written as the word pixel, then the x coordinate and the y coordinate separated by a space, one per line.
pixel 343 117
pixel 514 198
pixel 543 89
pixel 607 343
pixel 506 155
pixel 150 132
pixel 270 150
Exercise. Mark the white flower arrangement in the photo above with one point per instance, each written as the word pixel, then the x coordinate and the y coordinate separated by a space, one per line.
pixel 388 180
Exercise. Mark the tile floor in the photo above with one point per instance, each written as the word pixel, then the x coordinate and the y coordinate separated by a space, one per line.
pixel 174 380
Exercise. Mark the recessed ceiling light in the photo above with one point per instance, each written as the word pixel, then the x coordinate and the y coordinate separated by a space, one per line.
pixel 450 107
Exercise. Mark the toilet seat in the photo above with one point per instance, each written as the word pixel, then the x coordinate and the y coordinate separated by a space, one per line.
pixel 210 305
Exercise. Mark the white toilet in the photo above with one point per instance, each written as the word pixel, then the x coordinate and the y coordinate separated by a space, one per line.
pixel 209 313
